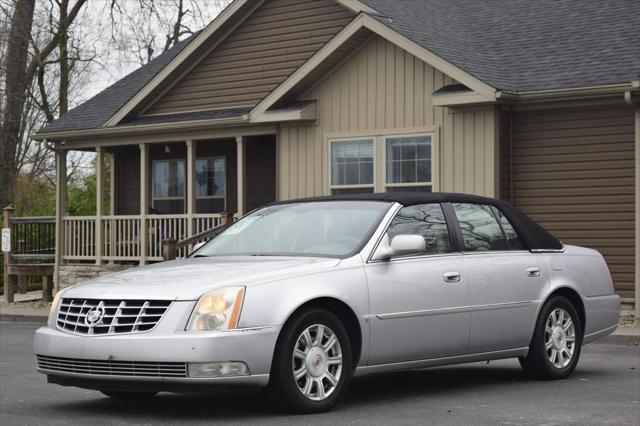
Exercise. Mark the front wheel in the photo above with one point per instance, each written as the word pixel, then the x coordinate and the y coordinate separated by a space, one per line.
pixel 557 340
pixel 312 364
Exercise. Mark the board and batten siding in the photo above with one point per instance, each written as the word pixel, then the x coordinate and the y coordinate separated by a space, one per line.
pixel 382 89
pixel 573 172
pixel 256 57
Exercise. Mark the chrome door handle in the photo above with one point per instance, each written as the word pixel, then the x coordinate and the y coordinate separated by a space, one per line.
pixel 451 277
pixel 533 272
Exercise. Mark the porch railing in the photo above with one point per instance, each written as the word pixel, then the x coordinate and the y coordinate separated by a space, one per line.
pixel 121 235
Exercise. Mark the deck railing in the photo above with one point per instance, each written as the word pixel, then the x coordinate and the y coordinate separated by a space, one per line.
pixel 121 235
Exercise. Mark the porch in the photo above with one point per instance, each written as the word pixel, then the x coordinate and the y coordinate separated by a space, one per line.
pixel 164 190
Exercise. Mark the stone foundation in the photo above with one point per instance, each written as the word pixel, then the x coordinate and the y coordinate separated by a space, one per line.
pixel 74 274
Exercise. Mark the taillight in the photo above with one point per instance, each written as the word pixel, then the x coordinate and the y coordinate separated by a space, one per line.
pixel 610 274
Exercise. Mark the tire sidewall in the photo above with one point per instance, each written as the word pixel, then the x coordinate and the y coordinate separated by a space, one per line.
pixel 283 388
pixel 538 344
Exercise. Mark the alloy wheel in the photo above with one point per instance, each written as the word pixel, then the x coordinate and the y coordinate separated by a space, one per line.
pixel 317 362
pixel 560 338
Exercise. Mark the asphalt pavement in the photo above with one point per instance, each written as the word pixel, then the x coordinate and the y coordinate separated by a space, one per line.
pixel 604 389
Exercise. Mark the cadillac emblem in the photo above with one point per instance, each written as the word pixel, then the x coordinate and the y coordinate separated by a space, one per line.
pixel 94 316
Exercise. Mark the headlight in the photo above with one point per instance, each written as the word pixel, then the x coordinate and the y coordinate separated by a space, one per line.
pixel 217 310
pixel 54 308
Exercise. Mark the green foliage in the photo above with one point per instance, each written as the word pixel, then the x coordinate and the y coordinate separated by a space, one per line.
pixel 35 197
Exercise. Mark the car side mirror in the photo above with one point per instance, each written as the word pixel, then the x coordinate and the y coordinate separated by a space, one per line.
pixel 401 245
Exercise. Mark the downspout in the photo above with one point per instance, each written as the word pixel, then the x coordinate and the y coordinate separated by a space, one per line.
pixel 634 102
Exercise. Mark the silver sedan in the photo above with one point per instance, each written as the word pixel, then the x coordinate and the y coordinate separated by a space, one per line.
pixel 300 296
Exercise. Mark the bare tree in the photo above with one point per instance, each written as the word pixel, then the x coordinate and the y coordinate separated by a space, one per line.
pixel 16 83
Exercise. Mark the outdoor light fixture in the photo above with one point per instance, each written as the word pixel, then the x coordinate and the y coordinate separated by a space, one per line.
pixel 167 149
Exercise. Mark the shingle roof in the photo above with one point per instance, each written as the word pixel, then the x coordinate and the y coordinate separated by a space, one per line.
pixel 100 108
pixel 188 116
pixel 525 45
pixel 516 45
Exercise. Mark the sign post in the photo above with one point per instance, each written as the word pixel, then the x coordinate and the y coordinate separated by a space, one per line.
pixel 6 250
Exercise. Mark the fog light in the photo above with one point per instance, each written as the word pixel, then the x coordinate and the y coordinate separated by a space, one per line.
pixel 218 369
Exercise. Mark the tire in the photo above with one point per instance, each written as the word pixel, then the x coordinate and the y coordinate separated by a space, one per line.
pixel 124 395
pixel 314 391
pixel 561 338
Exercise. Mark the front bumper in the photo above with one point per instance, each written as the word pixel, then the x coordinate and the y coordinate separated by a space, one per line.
pixel 254 346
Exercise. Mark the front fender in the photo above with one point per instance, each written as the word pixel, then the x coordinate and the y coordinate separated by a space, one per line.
pixel 272 303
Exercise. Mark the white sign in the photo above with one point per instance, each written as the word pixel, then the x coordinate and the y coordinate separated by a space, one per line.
pixel 6 240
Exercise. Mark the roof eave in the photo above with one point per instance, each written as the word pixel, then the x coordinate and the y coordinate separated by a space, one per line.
pixel 141 128
pixel 571 93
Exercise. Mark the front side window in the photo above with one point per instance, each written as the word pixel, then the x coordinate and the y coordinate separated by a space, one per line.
pixel 331 229
pixel 408 163
pixel 168 186
pixel 426 220
pixel 351 166
pixel 480 228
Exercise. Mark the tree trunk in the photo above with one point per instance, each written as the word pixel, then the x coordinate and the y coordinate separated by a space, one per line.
pixel 63 42
pixel 15 91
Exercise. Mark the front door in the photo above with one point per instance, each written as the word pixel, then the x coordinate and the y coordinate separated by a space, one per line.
pixel 419 303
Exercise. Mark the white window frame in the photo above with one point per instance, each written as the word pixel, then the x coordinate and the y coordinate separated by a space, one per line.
pixel 379 154
pixel 388 185
pixel 372 185
pixel 153 185
pixel 213 197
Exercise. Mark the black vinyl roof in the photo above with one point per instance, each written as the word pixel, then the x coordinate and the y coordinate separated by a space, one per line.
pixel 533 236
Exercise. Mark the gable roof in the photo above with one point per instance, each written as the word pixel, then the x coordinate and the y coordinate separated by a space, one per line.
pixel 525 45
pixel 97 110
pixel 516 45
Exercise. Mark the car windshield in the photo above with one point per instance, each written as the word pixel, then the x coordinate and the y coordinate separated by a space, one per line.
pixel 327 228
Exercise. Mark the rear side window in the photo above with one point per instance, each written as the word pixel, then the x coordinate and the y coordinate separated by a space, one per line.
pixel 480 228
pixel 426 220
pixel 513 241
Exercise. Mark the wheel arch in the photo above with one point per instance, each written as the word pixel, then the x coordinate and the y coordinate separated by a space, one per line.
pixel 340 309
pixel 574 297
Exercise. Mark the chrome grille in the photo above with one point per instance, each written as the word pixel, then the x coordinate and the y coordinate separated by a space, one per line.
pixel 99 317
pixel 113 368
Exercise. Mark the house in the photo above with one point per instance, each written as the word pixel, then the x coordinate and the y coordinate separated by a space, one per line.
pixel 535 102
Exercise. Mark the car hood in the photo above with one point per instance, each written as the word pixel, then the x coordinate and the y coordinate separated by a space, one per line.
pixel 188 279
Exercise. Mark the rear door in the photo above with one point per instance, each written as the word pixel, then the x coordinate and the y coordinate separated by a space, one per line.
pixel 505 281
pixel 419 303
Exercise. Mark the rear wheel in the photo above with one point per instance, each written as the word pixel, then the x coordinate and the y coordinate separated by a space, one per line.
pixel 129 395
pixel 312 364
pixel 557 340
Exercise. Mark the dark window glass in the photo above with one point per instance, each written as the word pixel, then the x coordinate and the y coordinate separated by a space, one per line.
pixel 480 229
pixel 426 220
pixel 513 241
pixel 348 191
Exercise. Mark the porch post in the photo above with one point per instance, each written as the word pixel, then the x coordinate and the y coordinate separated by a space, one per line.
pixel 240 157
pixel 112 184
pixel 191 186
pixel 99 201
pixel 61 208
pixel 144 204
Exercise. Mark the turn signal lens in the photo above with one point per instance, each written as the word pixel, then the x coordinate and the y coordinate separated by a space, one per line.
pixel 217 310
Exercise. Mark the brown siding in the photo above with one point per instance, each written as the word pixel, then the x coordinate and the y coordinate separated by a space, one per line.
pixel 573 172
pixel 261 53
